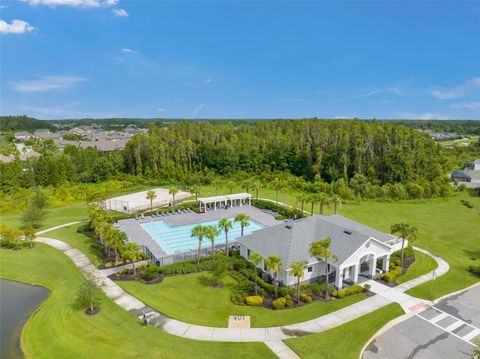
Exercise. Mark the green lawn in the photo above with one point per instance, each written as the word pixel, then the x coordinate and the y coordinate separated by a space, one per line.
pixel 423 264
pixel 80 241
pixel 347 340
pixel 192 299
pixel 59 215
pixel 58 331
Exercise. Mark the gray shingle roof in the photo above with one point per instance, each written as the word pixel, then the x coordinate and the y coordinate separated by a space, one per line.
pixel 291 241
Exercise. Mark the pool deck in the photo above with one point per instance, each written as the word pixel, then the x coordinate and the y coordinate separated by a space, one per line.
pixel 132 227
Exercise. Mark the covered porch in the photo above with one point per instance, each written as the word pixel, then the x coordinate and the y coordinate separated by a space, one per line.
pixel 226 201
pixel 360 271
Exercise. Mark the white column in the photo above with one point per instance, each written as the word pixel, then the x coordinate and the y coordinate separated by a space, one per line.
pixel 372 266
pixel 339 278
pixel 249 201
pixel 355 269
pixel 215 205
pixel 386 263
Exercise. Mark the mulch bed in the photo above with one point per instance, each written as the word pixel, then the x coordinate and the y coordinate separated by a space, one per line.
pixel 92 311
pixel 129 277
pixel 407 263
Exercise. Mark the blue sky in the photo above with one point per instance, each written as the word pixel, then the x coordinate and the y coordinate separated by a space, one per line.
pixel 109 58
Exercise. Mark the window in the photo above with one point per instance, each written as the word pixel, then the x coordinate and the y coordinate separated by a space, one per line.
pixel 248 252
pixel 310 269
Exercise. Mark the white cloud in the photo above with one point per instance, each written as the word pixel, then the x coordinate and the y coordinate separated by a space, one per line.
pixel 120 12
pixel 74 3
pixel 126 50
pixel 161 109
pixel 208 80
pixel 449 93
pixel 291 100
pixel 467 106
pixel 16 27
pixel 423 116
pixel 197 110
pixel 46 83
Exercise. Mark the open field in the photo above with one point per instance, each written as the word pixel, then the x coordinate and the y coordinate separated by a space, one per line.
pixel 57 330
pixel 462 142
pixel 347 340
pixel 191 298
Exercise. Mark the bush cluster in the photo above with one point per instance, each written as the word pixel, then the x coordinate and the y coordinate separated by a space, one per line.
pixel 392 275
pixel 254 300
pixel 474 270
pixel 279 303
pixel 354 289
pixel 305 298
pixel 288 213
pixel 150 272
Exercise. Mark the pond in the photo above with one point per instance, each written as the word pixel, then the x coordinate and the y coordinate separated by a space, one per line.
pixel 17 302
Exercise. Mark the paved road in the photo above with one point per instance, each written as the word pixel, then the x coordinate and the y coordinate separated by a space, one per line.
pixel 446 330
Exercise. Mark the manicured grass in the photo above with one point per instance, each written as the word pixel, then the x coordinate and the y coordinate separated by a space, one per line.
pixel 56 330
pixel 56 216
pixel 423 264
pixel 347 340
pixel 191 298
pixel 78 240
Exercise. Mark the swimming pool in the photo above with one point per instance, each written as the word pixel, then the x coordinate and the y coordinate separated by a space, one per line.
pixel 178 239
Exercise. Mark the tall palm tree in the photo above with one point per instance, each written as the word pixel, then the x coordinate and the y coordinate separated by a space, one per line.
pixel 274 265
pixel 199 232
pixel 151 195
pixel 302 198
pixel 244 220
pixel 277 185
pixel 29 233
pixel 285 189
pixel 298 271
pixel 256 259
pixel 173 191
pixel 117 242
pixel 312 198
pixel 225 224
pixel 337 202
pixel 196 191
pixel 321 251
pixel 257 185
pixel 323 200
pixel 212 232
pixel 132 250
pixel 406 232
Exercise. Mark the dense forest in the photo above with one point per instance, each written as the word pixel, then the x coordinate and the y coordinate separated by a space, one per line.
pixel 23 123
pixel 462 127
pixel 329 150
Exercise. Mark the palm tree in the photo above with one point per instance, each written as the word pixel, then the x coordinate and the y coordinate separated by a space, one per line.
pixel 321 251
pixel 323 200
pixel 173 191
pixel 256 259
pixel 225 224
pixel 216 183
pixel 404 231
pixel 212 232
pixel 199 232
pixel 196 191
pixel 297 270
pixel 312 198
pixel 231 186
pixel 274 265
pixel 337 202
pixel 133 253
pixel 277 185
pixel 246 185
pixel 285 190
pixel 29 233
pixel 244 220
pixel 302 198
pixel 151 195
pixel 257 186
pixel 115 240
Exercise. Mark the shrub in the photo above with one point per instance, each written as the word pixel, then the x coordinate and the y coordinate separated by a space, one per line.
pixel 108 265
pixel 289 301
pixel 305 298
pixel 237 297
pixel 254 300
pixel 392 275
pixel 279 303
pixel 467 204
pixel 366 287
pixel 341 294
pixel 474 270
pixel 150 272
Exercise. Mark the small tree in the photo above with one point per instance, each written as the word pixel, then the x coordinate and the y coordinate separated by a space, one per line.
pixel 216 183
pixel 323 200
pixel 196 191
pixel 244 220
pixel 36 209
pixel 406 232
pixel 231 186
pixel 337 202
pixel 173 191
pixel 89 296
pixel 312 198
pixel 285 189
pixel 225 224
pixel 212 233
pixel 277 186
pixel 256 259
pixel 10 235
pixel 29 233
pixel 257 185
pixel 321 251
pixel 297 270
pixel 219 268
pixel 274 265
pixel 151 195
pixel 132 251
pixel 302 198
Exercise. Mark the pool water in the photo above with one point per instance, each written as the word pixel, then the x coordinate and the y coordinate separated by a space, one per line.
pixel 178 239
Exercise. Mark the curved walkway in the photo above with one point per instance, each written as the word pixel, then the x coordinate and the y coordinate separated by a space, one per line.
pixel 385 296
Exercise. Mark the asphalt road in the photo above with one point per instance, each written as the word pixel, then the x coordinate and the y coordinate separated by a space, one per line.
pixel 446 330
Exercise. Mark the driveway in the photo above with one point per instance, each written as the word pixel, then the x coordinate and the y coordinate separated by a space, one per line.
pixel 446 330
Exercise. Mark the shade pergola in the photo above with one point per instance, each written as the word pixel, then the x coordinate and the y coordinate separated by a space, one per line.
pixel 237 199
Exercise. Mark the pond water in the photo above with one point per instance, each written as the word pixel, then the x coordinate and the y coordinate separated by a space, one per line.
pixel 17 302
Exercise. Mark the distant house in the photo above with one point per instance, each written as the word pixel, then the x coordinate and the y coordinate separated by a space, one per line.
pixel 46 135
pixel 357 247
pixel 23 135
pixel 469 176
pixel 26 153
pixel 102 146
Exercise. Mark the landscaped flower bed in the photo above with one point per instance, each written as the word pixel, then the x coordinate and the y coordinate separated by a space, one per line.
pixel 395 269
